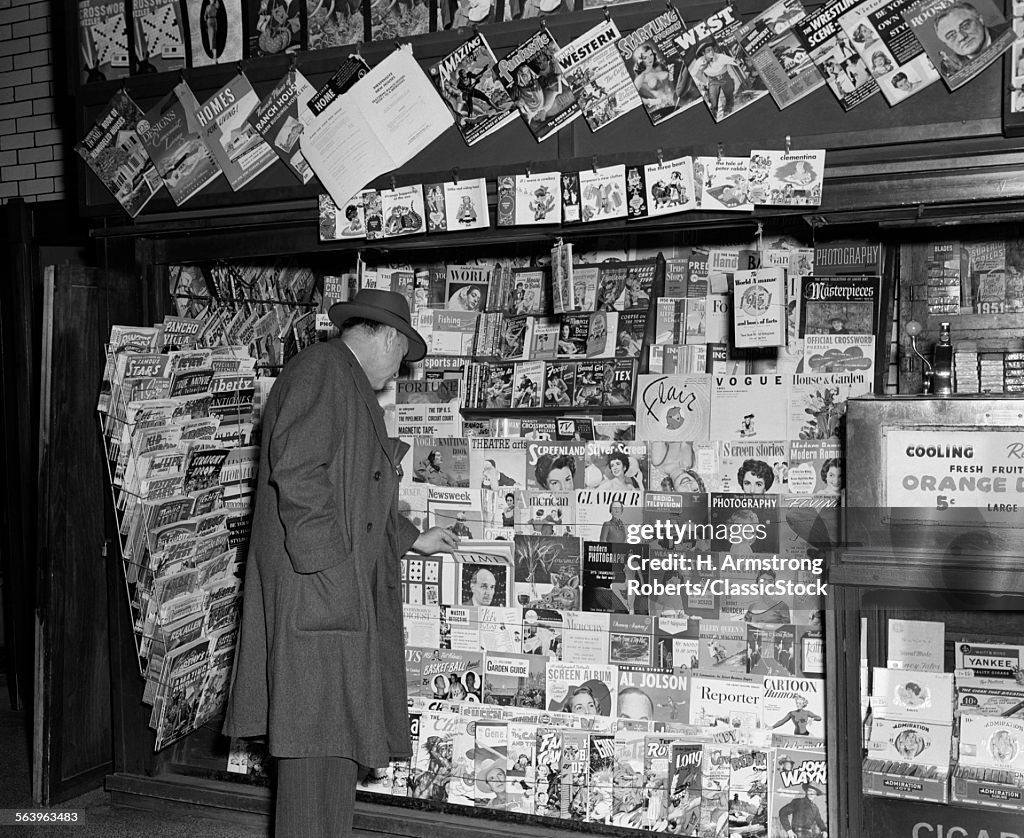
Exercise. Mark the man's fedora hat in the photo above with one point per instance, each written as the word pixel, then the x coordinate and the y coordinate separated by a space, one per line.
pixel 387 307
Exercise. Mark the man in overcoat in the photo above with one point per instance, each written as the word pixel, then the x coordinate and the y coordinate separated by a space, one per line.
pixel 320 666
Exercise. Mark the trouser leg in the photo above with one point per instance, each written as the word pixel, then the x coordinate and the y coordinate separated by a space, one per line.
pixel 315 797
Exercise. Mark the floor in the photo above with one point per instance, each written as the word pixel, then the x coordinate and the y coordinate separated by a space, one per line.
pixel 99 818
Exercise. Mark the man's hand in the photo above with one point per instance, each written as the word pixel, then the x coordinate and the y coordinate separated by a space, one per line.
pixel 436 540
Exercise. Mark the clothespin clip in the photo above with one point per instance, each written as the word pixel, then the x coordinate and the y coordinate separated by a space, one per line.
pixel 760 236
pixel 240 68
pixel 293 64
pixel 455 175
pixel 593 162
pixel 476 29
pixel 357 47
pixel 607 13
pixel 529 169
pixel 669 6
pixel 544 26
pixel 788 143
pixel 721 153
pixel 661 157
pixel 394 185
pixel 181 77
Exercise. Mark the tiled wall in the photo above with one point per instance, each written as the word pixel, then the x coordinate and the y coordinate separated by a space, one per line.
pixel 31 150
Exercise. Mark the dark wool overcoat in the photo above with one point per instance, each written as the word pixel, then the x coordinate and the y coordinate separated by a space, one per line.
pixel 320 665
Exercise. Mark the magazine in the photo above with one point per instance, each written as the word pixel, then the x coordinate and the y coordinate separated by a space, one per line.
pixel 275 27
pixel 223 123
pixel 815 466
pixel 533 78
pixel 888 47
pixel 398 20
pixel 159 45
pixel 745 407
pixel 655 57
pixel 759 308
pixel 582 690
pixel 330 26
pixel 278 120
pixel 547 571
pixel 818 405
pixel 961 42
pixel 725 75
pixel 467 82
pixel 673 407
pixel 833 53
pixel 103 40
pixel 794 705
pixel 772 45
pixel 115 152
pixel 175 147
pixel 798 786
pixel 839 305
pixel 597 75
pixel 216 34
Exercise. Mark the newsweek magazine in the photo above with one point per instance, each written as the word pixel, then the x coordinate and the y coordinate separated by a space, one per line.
pixel 467 82
pixel 960 41
pixel 597 75
pixel 786 178
pixel 114 151
pixel 180 156
pixel 533 78
pixel 888 48
pixel 223 43
pixel 655 57
pixel 278 120
pixel 832 52
pixel 777 54
pixel 159 45
pixel 223 123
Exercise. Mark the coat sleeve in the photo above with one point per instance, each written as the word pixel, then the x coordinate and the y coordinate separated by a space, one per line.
pixel 300 449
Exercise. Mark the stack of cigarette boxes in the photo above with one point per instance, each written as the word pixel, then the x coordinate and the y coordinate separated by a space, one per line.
pixel 990 372
pixel 1013 372
pixel 965 367
pixel 911 735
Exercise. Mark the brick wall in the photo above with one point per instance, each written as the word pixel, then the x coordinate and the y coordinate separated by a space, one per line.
pixel 31 142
